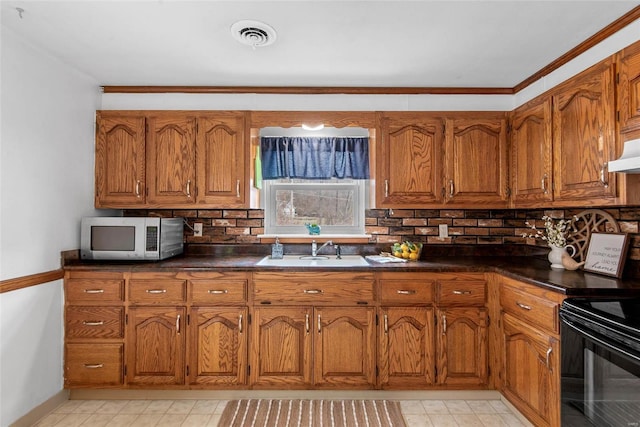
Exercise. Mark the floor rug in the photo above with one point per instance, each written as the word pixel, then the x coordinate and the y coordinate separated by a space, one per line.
pixel 311 413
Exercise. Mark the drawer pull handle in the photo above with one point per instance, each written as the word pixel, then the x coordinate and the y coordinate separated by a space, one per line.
pixel 178 324
pixel 456 292
pixel 94 291
pixel 312 291
pixel 156 291
pixel 306 323
pixel 523 306
pixel 386 188
pixel 405 292
pixel 93 365
pixel 240 323
pixel 386 324
pixel 549 356
pixel 93 322
pixel 238 188
pixel 218 291
pixel 319 324
pixel 444 324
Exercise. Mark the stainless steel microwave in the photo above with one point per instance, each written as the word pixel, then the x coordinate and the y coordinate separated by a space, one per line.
pixel 130 238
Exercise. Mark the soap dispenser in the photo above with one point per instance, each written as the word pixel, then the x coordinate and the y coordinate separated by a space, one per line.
pixel 277 250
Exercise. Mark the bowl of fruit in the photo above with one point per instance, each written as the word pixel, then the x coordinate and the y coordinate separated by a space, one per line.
pixel 407 250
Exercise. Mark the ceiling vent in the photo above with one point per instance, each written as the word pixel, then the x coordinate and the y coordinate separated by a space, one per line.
pixel 253 33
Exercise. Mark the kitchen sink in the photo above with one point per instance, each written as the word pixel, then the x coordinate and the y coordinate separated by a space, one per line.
pixel 314 261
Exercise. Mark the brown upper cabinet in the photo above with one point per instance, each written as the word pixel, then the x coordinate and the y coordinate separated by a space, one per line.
pixel 629 88
pixel 171 159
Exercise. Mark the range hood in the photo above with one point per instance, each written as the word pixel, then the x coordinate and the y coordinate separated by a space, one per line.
pixel 629 162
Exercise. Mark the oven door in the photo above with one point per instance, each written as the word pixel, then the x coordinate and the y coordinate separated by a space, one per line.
pixel 600 378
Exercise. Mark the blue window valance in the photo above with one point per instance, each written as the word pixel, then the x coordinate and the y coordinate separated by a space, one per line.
pixel 314 157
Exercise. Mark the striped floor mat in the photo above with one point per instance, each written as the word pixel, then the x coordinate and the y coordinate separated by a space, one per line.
pixel 311 413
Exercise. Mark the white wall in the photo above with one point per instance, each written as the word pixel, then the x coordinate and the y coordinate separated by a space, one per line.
pixel 47 112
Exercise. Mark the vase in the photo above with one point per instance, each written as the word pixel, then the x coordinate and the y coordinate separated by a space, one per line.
pixel 555 255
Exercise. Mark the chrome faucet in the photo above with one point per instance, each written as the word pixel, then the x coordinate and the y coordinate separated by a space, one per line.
pixel 315 249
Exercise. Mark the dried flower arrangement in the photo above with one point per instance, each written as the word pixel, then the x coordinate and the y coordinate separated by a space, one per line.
pixel 555 233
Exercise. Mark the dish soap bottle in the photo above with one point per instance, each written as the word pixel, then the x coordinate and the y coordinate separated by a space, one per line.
pixel 277 250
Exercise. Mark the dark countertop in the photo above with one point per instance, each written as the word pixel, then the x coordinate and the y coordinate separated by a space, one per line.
pixel 533 270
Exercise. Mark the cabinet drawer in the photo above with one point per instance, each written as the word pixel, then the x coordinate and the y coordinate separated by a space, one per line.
pixel 463 293
pixel 94 322
pixel 92 365
pixel 94 290
pixel 533 309
pixel 157 291
pixel 313 288
pixel 227 291
pixel 399 291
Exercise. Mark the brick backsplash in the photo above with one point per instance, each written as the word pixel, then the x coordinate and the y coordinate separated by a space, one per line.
pixel 466 226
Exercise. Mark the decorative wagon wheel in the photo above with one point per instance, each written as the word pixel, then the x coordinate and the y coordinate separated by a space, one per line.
pixel 590 221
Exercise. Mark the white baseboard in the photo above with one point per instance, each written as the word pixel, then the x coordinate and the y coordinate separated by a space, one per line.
pixel 40 411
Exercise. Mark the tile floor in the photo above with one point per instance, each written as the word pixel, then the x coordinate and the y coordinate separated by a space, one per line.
pixel 194 412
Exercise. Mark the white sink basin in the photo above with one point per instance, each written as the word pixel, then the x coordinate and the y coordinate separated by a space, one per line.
pixel 318 261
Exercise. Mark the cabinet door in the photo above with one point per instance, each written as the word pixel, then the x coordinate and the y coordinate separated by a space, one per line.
pixel 584 137
pixel 171 154
pixel 218 347
pixel 462 346
pixel 120 160
pixel 629 88
pixel 220 154
pixel 281 347
pixel 531 376
pixel 531 151
pixel 409 159
pixel 406 352
pixel 155 345
pixel 476 161
pixel 344 347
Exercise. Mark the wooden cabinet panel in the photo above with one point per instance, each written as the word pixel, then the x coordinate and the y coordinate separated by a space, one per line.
pixel 120 159
pixel 157 291
pixel 405 288
pixel 281 347
pixel 94 322
pixel 155 346
pixel 406 350
pixel 409 160
pixel 461 293
pixel 531 371
pixel 231 290
pixel 462 346
pixel 584 138
pixel 531 153
pixel 629 88
pixel 539 311
pixel 94 290
pixel 93 365
pixel 218 350
pixel 220 152
pixel 344 349
pixel 171 153
pixel 476 160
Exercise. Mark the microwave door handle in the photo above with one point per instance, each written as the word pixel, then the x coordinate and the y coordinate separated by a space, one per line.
pixel 603 343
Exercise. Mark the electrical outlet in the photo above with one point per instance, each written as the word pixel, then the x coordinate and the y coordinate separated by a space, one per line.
pixel 197 229
pixel 443 231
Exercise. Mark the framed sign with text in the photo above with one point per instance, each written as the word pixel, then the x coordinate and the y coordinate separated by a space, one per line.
pixel 607 253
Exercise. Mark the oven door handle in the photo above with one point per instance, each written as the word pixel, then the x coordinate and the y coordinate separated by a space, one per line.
pixel 595 339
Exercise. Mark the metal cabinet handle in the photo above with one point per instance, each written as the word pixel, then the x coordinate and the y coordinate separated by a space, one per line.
pixel 603 181
pixel 156 291
pixel 444 324
pixel 549 356
pixel 93 322
pixel 544 183
pixel 319 324
pixel 306 323
pixel 93 365
pixel 312 291
pixel 189 188
pixel 138 188
pixel 178 324
pixel 523 306
pixel 451 188
pixel 405 291
pixel 386 188
pixel 457 292
pixel 240 323
pixel 94 291
pixel 386 324
pixel 238 188
pixel 218 291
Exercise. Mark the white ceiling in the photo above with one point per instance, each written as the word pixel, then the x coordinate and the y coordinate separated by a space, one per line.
pixel 319 43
